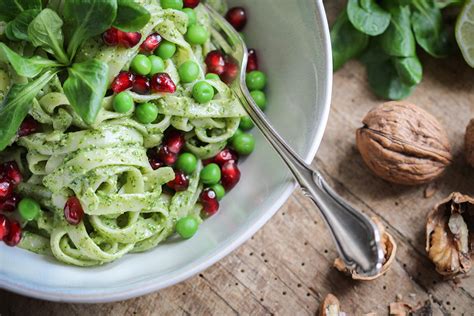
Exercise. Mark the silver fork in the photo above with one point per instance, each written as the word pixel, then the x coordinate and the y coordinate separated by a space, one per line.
pixel 357 238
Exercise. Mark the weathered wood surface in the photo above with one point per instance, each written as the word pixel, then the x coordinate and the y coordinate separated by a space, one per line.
pixel 286 268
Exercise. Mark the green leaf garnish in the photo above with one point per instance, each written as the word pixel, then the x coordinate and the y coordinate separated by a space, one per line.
pixel 86 87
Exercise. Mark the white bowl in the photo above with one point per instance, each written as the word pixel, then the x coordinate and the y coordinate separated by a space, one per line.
pixel 293 42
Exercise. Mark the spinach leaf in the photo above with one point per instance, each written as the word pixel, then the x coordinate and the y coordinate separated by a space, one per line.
pixel 409 69
pixel 399 40
pixel 18 28
pixel 385 82
pixel 9 9
pixel 367 16
pixel 57 5
pixel 46 31
pixel 16 105
pixel 382 75
pixel 427 23
pixel 347 42
pixel 88 18
pixel 131 16
pixel 25 67
pixel 86 87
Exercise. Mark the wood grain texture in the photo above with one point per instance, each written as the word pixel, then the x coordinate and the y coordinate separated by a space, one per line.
pixel 286 268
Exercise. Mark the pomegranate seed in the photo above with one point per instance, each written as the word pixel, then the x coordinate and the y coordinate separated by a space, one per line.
pixel 14 235
pixel 129 39
pixel 225 156
pixel 191 3
pixel 230 175
pixel 231 70
pixel 162 82
pixel 4 226
pixel 252 63
pixel 141 85
pixel 122 82
pixel 10 203
pixel 169 158
pixel 6 189
pixel 175 141
pixel 151 43
pixel 237 17
pixel 155 162
pixel 180 182
pixel 73 212
pixel 209 202
pixel 28 126
pixel 110 37
pixel 215 62
pixel 12 172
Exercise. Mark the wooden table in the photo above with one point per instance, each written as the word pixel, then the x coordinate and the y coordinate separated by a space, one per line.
pixel 286 268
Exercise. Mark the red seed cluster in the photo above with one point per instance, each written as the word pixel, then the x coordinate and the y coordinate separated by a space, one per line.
pixel 151 43
pixel 159 83
pixel 191 3
pixel 180 182
pixel 226 67
pixel 10 177
pixel 28 126
pixel 237 17
pixel 209 202
pixel 114 37
pixel 162 83
pixel 73 211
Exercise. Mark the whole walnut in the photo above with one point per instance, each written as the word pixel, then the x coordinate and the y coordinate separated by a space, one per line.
pixel 469 143
pixel 403 144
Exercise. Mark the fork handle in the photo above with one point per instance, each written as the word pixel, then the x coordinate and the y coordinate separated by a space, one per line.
pixel 357 238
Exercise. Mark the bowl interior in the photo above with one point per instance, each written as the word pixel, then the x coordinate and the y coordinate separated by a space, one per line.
pixel 293 45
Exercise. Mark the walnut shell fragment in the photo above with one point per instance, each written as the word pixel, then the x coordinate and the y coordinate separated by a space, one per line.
pixel 405 309
pixel 469 143
pixel 449 235
pixel 389 248
pixel 403 143
pixel 330 306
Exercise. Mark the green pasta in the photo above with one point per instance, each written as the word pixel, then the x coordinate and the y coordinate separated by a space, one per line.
pixel 105 164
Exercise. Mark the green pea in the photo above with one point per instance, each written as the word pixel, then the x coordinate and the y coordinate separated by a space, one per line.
pixel 211 76
pixel 237 133
pixel 259 98
pixel 187 227
pixel 141 65
pixel 146 113
pixel 256 80
pixel 244 144
pixel 211 174
pixel 123 102
pixel 203 92
pixel 172 4
pixel 191 15
pixel 187 163
pixel 29 209
pixel 188 71
pixel 166 50
pixel 197 34
pixel 246 123
pixel 218 190
pixel 157 64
